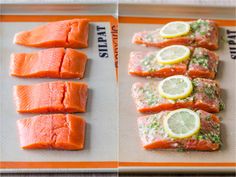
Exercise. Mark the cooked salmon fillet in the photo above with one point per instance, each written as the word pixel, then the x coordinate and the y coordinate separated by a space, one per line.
pixel 153 135
pixel 51 97
pixel 54 131
pixel 203 33
pixel 143 63
pixel 68 33
pixel 205 96
pixel 202 63
pixel 54 63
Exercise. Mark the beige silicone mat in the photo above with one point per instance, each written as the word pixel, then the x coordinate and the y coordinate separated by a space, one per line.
pixel 131 154
pixel 100 152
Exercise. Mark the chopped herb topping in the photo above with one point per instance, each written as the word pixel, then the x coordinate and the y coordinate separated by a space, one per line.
pixel 149 63
pixel 200 137
pixel 200 26
pixel 202 61
pixel 147 60
pixel 149 95
pixel 153 125
pixel 213 137
pixel 208 118
pixel 195 83
pixel 221 105
pixel 209 90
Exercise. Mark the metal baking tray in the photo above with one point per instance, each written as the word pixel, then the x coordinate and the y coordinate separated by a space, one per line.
pixel 100 153
pixel 132 157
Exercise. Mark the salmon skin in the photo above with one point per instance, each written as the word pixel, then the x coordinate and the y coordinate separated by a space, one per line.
pixel 153 135
pixel 68 33
pixel 203 63
pixel 54 131
pixel 205 96
pixel 203 33
pixel 53 63
pixel 51 97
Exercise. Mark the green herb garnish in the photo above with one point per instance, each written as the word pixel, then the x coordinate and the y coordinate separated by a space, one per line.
pixel 202 61
pixel 210 91
pixel 208 118
pixel 221 105
pixel 214 138
pixel 147 63
pixel 200 26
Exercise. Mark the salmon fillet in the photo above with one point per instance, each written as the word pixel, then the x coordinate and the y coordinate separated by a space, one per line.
pixel 205 96
pixel 203 63
pixel 145 64
pixel 153 136
pixel 54 131
pixel 54 63
pixel 203 33
pixel 68 33
pixel 51 97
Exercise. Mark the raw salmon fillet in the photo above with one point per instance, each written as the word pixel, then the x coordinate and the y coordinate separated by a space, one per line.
pixel 205 96
pixel 153 136
pixel 203 63
pixel 204 33
pixel 145 64
pixel 51 97
pixel 54 131
pixel 54 63
pixel 148 99
pixel 68 33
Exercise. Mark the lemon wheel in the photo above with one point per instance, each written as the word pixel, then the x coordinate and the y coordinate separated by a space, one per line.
pixel 182 123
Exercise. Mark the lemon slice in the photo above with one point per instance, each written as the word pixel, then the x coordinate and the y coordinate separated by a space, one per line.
pixel 175 87
pixel 173 54
pixel 181 123
pixel 174 29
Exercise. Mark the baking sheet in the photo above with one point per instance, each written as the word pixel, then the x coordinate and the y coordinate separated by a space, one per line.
pixel 100 152
pixel 132 156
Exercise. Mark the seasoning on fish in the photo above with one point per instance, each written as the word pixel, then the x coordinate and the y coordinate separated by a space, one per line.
pixel 154 136
pixel 54 131
pixel 203 64
pixel 68 33
pixel 203 33
pixel 51 97
pixel 146 64
pixel 54 63
pixel 205 96
pixel 148 99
